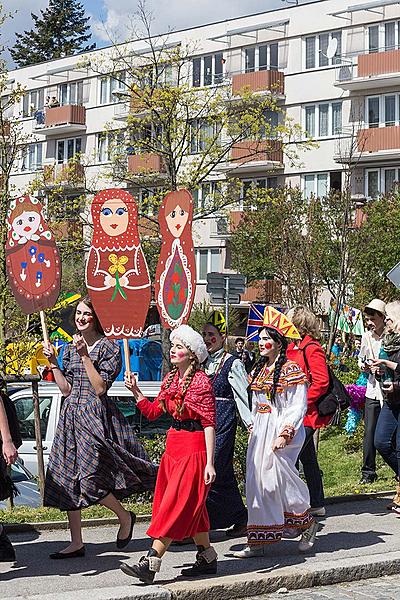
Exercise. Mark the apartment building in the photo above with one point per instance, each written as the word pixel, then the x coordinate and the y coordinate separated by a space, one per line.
pixel 337 65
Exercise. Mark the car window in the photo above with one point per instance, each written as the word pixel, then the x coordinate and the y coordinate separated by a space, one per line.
pixel 139 423
pixel 24 408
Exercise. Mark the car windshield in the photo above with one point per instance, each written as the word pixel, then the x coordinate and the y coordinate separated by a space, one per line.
pixel 20 473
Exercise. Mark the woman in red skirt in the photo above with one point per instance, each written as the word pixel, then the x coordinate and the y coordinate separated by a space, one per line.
pixel 187 466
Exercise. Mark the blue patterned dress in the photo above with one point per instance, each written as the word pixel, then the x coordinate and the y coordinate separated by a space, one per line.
pixel 224 502
pixel 95 451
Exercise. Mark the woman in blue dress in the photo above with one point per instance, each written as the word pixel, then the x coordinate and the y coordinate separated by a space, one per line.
pixel 229 380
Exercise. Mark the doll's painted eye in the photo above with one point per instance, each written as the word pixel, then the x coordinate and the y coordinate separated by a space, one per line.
pixel 19 222
pixel 30 219
pixel 173 214
pixel 120 211
pixel 106 212
pixel 182 213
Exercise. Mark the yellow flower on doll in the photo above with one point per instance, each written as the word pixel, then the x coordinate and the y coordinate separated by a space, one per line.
pixel 117 264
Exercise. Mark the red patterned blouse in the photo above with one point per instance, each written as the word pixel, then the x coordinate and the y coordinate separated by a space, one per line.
pixel 199 401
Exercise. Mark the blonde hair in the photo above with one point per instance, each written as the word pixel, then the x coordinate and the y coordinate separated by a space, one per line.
pixel 306 322
pixel 393 313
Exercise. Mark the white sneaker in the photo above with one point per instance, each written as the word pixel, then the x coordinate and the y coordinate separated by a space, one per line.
pixel 249 552
pixel 308 538
pixel 318 512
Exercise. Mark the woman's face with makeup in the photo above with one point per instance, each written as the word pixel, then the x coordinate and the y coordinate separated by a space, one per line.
pixel 179 354
pixel 268 347
pixel 84 319
pixel 212 338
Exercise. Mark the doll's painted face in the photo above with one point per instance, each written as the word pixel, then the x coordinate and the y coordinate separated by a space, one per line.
pixel 26 224
pixel 212 338
pixel 176 221
pixel 114 217
pixel 179 354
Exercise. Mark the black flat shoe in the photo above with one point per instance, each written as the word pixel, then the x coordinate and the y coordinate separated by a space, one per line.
pixel 61 555
pixel 121 543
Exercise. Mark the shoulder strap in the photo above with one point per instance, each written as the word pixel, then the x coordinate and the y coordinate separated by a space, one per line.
pixel 312 343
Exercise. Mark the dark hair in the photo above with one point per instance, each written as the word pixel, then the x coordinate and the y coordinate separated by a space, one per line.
pixel 239 340
pixel 370 312
pixel 282 358
pixel 87 301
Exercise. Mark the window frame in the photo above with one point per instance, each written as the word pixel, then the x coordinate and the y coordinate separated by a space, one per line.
pixel 256 49
pixel 65 141
pixel 201 251
pixel 217 78
pixel 38 164
pixel 381 28
pixel 329 62
pixel 316 108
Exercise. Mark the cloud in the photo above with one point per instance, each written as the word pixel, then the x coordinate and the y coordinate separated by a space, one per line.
pixel 114 23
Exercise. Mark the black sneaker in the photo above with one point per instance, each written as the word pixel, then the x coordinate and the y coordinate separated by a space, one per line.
pixel 366 479
pixel 7 552
pixel 144 570
pixel 206 564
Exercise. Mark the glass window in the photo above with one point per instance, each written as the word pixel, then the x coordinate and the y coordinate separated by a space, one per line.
pixel 103 90
pixel 336 118
pixel 322 184
pixel 373 112
pixel 273 57
pixel 308 185
pixel 390 110
pixel 310 120
pixel 203 270
pixel 373 38
pixel 263 58
pixel 250 60
pixel 323 47
pixel 337 59
pixel 196 65
pixel 215 263
pixel 323 119
pixel 372 184
pixel 218 67
pixel 390 36
pixel 390 178
pixel 208 70
pixel 26 418
pixel 310 52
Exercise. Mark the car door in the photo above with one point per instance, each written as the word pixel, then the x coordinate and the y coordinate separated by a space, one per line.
pixel 23 402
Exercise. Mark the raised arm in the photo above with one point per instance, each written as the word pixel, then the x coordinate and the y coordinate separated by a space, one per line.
pixel 10 452
pixel 63 384
pixel 238 380
pixel 151 410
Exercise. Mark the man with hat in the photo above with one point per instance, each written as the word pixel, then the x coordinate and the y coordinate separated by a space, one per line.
pixel 374 314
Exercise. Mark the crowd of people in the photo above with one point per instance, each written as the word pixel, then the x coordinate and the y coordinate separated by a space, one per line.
pixel 97 459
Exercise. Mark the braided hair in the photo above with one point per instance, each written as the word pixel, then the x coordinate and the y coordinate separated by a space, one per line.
pixel 194 366
pixel 280 361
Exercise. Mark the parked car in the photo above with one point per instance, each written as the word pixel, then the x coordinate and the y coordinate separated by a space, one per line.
pixel 26 484
pixel 50 400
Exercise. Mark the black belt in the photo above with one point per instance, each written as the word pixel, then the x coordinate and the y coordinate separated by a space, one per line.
pixel 187 425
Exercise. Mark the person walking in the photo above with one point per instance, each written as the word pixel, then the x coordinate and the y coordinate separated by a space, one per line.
pixel 187 465
pixel 95 457
pixel 387 432
pixel 230 384
pixel 371 342
pixel 277 499
pixel 310 356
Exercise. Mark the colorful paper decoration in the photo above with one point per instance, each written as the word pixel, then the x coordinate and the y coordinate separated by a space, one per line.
pixel 117 276
pixel 176 272
pixel 33 262
pixel 217 320
pixel 279 321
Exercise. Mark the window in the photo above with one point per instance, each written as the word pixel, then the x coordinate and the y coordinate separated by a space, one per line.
pixel 71 93
pixel 67 149
pixel 390 110
pixel 208 70
pixel 373 183
pixel 380 181
pixel 319 184
pixel 26 418
pixel 204 195
pixel 383 37
pixel 109 145
pixel 383 111
pixel 373 112
pixel 109 85
pixel 32 102
pixel 261 58
pixel 32 158
pixel 149 199
pixel 316 47
pixel 203 133
pixel 323 120
pixel 251 185
pixel 208 260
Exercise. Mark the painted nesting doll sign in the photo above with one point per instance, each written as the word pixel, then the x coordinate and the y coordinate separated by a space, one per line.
pixel 117 276
pixel 176 273
pixel 33 262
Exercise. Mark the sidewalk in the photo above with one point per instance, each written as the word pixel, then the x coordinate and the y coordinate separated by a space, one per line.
pixel 357 540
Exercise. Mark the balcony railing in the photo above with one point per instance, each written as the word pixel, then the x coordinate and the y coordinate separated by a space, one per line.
pixel 364 65
pixel 69 175
pixel 249 151
pixel 375 139
pixel 259 81
pixel 265 291
pixel 61 119
pixel 139 164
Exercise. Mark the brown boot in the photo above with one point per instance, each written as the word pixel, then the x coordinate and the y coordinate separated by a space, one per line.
pixel 395 503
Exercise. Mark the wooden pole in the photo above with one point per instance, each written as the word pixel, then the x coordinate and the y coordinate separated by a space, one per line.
pixel 38 437
pixel 44 327
pixel 127 357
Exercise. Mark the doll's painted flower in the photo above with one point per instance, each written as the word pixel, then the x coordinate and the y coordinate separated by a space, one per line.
pixel 117 264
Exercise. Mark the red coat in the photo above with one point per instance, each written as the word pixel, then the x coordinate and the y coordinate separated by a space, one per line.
pixel 317 375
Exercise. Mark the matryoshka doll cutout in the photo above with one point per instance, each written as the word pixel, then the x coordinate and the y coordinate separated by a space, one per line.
pixel 117 276
pixel 33 262
pixel 176 273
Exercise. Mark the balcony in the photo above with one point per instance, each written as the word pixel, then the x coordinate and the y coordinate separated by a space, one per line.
pixel 259 81
pixel 265 291
pixel 5 129
pixel 369 71
pixel 63 120
pixel 69 176
pixel 143 164
pixel 252 157
pixel 379 139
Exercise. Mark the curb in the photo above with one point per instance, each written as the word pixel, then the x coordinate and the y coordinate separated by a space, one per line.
pixel 151 592
pixel 112 521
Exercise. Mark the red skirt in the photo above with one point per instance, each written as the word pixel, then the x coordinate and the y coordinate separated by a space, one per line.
pixel 179 507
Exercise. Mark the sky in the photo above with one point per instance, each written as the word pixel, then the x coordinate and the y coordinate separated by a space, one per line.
pixel 110 18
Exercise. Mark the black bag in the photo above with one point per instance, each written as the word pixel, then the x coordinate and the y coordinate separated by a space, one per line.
pixel 335 398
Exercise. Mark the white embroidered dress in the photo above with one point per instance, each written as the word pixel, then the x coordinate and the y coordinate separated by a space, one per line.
pixel 277 499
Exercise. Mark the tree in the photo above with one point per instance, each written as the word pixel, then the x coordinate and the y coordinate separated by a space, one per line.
pixel 61 30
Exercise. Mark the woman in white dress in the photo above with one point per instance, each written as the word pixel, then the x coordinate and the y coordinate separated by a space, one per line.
pixel 277 499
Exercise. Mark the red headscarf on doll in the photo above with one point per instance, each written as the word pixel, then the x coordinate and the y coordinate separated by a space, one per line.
pixel 130 237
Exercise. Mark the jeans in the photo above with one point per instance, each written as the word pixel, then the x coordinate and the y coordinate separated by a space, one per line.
pixel 387 436
pixel 371 414
pixel 312 472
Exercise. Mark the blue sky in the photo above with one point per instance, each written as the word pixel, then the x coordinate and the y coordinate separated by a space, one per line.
pixel 111 18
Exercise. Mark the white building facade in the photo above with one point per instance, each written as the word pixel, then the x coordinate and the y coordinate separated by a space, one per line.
pixel 339 73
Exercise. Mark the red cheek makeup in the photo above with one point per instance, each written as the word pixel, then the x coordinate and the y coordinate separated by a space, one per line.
pixel 213 340
pixel 267 346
